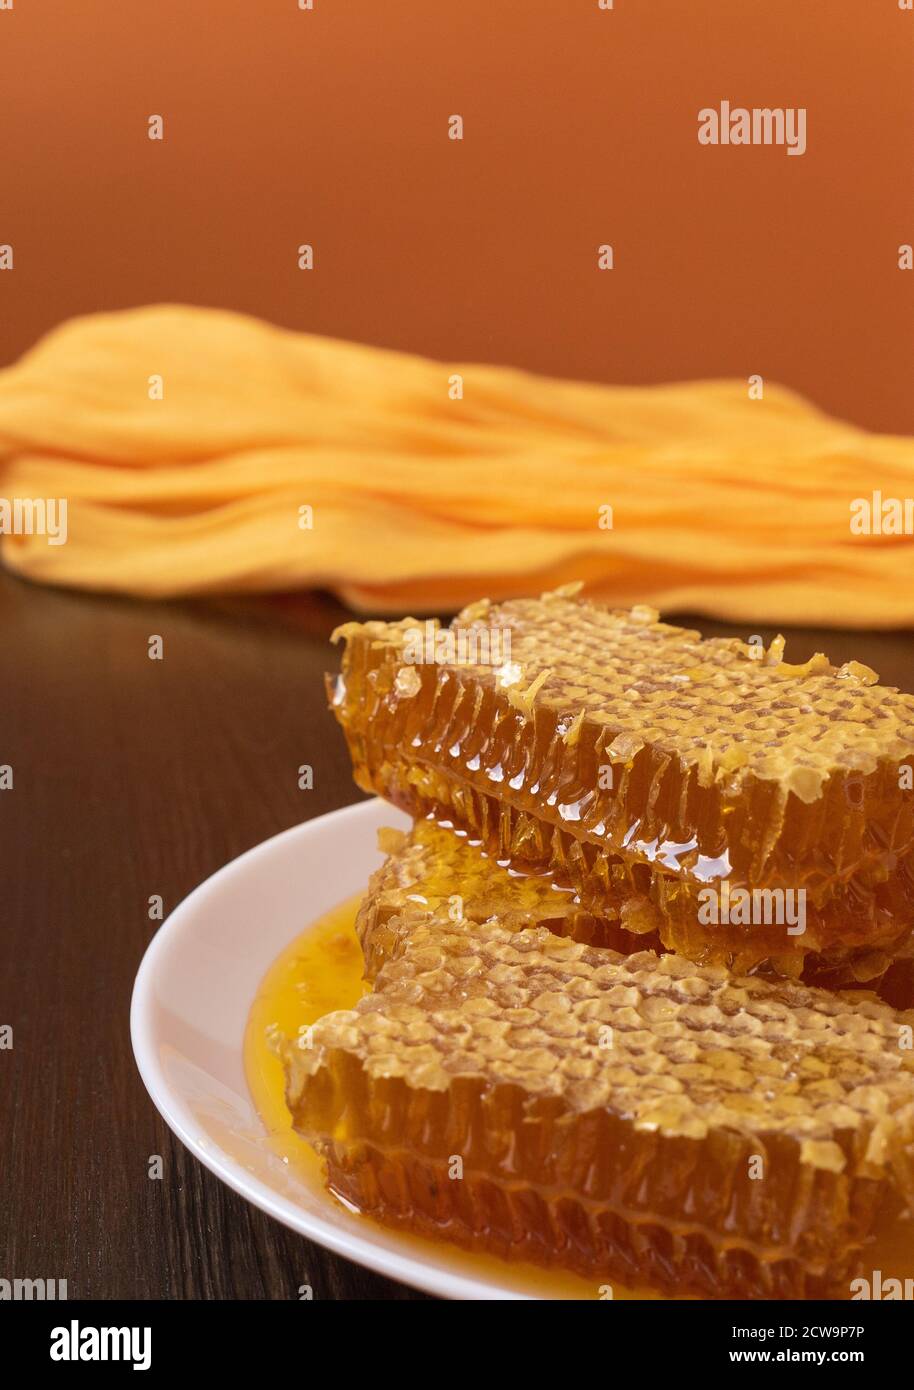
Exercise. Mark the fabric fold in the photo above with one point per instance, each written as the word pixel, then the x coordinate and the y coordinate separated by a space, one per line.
pixel 201 451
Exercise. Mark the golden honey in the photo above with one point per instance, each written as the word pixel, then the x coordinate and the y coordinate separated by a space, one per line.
pixel 319 972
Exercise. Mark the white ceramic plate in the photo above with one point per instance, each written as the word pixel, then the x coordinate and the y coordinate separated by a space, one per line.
pixel 190 1004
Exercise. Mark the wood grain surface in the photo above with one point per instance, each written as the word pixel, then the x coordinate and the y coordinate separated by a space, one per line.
pixel 134 777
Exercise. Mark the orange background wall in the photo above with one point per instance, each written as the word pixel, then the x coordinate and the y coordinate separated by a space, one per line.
pixel 330 127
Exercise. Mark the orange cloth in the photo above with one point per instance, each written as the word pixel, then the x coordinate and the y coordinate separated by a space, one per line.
pixel 721 504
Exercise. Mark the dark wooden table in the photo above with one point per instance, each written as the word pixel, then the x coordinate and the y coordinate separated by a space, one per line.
pixel 134 777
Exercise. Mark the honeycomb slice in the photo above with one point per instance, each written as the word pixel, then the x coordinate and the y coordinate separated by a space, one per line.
pixel 636 1118
pixel 643 767
pixel 432 874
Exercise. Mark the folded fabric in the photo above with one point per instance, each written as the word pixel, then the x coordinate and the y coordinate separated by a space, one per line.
pixel 201 451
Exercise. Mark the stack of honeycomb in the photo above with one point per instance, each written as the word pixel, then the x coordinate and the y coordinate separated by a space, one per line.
pixel 526 1077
